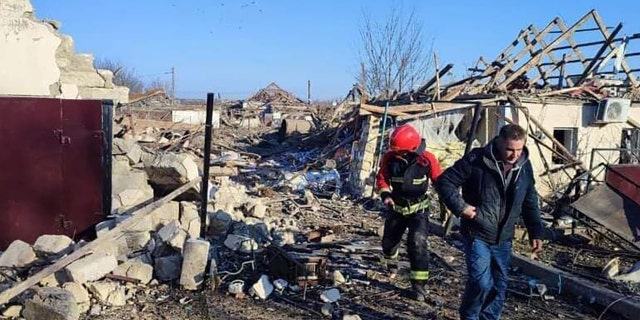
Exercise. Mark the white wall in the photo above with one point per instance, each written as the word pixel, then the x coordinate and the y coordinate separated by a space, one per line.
pixel 36 60
pixel 28 52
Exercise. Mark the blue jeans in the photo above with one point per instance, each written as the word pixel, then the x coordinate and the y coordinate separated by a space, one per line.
pixel 487 266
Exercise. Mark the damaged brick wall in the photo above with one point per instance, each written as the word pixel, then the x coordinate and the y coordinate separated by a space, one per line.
pixel 363 155
pixel 37 60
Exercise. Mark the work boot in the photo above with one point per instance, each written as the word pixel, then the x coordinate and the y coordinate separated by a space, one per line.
pixel 419 290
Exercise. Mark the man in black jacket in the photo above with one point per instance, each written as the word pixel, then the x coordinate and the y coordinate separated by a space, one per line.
pixel 497 189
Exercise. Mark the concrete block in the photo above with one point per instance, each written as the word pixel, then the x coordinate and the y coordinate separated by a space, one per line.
pixel 51 304
pixel 258 210
pixel 117 94
pixel 55 279
pixel 80 294
pixel 136 241
pixel 129 189
pixel 109 293
pixel 128 148
pixel 219 223
pixel 55 245
pixel 240 243
pixel 195 257
pixel 168 268
pixel 165 214
pixel 12 312
pixel 92 267
pixel 190 219
pixel 88 79
pixel 171 169
pixel 136 270
pixel 18 254
pixel 173 235
pixel 262 288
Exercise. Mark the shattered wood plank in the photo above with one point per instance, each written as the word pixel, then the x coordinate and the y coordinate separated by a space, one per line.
pixel 380 110
pixel 536 59
pixel 110 235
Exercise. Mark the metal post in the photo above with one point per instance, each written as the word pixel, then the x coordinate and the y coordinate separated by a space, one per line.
pixel 308 91
pixel 205 168
pixel 382 131
pixel 173 84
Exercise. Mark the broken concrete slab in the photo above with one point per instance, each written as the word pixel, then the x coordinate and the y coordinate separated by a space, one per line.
pixel 53 245
pixel 129 189
pixel 109 293
pixel 55 279
pixel 136 241
pixel 173 235
pixel 80 294
pixel 257 209
pixel 18 254
pixel 195 258
pixel 92 267
pixel 128 148
pixel 167 171
pixel 168 268
pixel 165 214
pixel 190 219
pixel 219 223
pixel 12 312
pixel 136 270
pixel 262 288
pixel 240 243
pixel 51 304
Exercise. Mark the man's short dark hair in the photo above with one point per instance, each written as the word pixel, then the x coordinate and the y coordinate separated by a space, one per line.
pixel 512 132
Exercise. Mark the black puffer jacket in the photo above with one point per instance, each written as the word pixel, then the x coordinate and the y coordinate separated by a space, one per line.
pixel 497 208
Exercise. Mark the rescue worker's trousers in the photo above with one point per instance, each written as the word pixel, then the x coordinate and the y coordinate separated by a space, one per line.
pixel 417 246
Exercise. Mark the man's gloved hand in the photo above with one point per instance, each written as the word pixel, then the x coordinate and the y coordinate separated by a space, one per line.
pixel 386 198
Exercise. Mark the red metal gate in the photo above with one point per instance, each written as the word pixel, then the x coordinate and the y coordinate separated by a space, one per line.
pixel 54 166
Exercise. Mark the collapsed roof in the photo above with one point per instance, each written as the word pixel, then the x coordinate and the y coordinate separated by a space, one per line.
pixel 276 95
pixel 587 59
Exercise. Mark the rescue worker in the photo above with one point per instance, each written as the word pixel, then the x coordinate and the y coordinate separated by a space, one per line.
pixel 402 182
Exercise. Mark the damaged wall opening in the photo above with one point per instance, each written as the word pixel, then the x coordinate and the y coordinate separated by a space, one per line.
pixel 568 137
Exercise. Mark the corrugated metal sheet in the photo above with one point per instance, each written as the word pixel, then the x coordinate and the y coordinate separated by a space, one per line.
pixel 612 210
pixel 626 180
pixel 53 167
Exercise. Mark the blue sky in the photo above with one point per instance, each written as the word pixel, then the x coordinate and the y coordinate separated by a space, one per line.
pixel 237 47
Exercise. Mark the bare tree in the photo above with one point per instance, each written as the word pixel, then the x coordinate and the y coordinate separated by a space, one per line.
pixel 393 54
pixel 158 83
pixel 122 76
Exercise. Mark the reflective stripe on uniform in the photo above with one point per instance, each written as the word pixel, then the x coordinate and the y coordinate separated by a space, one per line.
pixel 411 208
pixel 397 179
pixel 419 275
pixel 420 181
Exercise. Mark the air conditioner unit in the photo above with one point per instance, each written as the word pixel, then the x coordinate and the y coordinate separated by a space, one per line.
pixel 613 110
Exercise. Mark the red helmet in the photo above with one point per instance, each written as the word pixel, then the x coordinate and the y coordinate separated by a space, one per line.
pixel 404 138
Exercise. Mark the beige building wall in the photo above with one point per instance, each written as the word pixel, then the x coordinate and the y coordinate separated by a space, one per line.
pixel 573 116
pixel 36 60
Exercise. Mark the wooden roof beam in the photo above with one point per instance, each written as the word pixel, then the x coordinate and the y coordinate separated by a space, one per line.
pixel 536 59
pixel 605 33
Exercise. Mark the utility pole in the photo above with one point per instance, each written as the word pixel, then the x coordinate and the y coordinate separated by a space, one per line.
pixel 308 91
pixel 173 84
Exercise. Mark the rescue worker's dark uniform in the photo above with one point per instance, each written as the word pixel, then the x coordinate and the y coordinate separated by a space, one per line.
pixel 404 176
